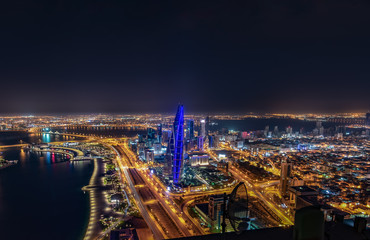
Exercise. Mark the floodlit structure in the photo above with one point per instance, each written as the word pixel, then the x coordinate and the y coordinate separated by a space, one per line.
pixel 175 147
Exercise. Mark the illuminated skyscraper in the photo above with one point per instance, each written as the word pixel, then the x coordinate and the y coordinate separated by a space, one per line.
pixel 368 119
pixel 285 174
pixel 203 128
pixel 175 146
pixel 190 129
pixel 267 129
pixel 289 130
pixel 276 131
pixel 200 143
pixel 207 125
pixel 159 133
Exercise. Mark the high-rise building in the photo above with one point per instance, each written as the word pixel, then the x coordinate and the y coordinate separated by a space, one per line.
pixel 321 131
pixel 151 133
pixel 166 135
pixel 167 168
pixel 207 125
pixel 175 146
pixel 285 174
pixel 267 129
pixel 200 143
pixel 159 133
pixel 276 131
pixel 190 129
pixel 149 156
pixel 368 119
pixel 141 149
pixel 215 209
pixel 151 137
pixel 203 128
pixel 213 141
pixel 289 130
pixel 157 147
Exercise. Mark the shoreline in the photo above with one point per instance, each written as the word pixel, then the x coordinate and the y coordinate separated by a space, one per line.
pixel 94 208
pixel 44 168
pixel 98 204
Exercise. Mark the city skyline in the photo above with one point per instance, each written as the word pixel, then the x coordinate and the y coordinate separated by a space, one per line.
pixel 199 120
pixel 193 176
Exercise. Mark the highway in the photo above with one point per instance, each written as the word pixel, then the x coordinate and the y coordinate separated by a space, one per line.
pixel 154 206
pixel 123 166
pixel 241 177
pixel 186 226
pixel 162 217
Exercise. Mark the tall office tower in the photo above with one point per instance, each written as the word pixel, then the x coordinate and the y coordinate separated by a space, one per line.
pixel 149 156
pixel 151 133
pixel 215 208
pixel 276 131
pixel 200 143
pixel 166 135
pixel 207 125
pixel 141 138
pixel 175 146
pixel 141 149
pixel 159 133
pixel 157 147
pixel 289 130
pixel 285 174
pixel 211 141
pixel 190 129
pixel 318 124
pixel 203 128
pixel 266 132
pixel 368 119
pixel 150 137
pixel 321 131
pixel 167 168
pixel 216 141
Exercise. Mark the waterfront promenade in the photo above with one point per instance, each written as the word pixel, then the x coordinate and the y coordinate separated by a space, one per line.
pixel 98 201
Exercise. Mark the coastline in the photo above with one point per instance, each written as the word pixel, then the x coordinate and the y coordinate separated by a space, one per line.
pixel 99 205
pixel 48 173
pixel 92 228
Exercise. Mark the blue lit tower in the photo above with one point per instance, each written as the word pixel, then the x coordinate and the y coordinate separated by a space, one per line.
pixel 178 136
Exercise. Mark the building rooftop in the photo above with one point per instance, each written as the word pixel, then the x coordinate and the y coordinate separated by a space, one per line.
pixel 259 234
pixel 333 231
pixel 303 190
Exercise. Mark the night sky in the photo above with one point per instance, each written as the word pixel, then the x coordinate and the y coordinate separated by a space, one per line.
pixel 133 56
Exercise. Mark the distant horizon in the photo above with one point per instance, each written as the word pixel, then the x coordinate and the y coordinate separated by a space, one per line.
pixel 171 113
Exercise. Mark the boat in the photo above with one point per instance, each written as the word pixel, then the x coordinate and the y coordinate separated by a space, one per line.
pixel 6 163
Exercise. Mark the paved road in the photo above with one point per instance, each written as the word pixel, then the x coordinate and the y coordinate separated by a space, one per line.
pixel 123 165
pixel 237 174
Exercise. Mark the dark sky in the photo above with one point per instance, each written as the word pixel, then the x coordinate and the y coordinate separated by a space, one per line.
pixel 213 56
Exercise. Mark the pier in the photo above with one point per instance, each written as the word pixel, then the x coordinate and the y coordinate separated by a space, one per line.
pixel 22 145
